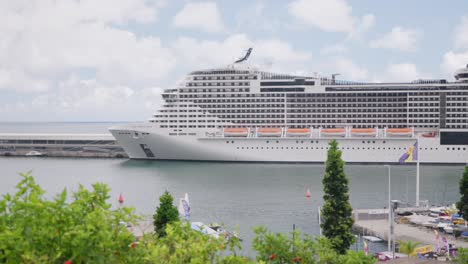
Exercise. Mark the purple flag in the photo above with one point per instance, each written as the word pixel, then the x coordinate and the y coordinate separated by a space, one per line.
pixel 410 155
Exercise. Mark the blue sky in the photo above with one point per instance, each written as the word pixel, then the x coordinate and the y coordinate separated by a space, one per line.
pixel 108 60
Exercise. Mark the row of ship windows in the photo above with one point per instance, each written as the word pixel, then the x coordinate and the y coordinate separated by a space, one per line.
pixel 295 105
pixel 248 77
pixel 197 92
pixel 264 110
pixel 312 141
pixel 380 125
pixel 454 122
pixel 190 84
pixel 250 104
pixel 348 148
pixel 189 126
pixel 319 121
pixel 291 103
pixel 351 116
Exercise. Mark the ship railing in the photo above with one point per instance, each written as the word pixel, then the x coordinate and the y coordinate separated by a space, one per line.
pixel 316 133
pixel 326 81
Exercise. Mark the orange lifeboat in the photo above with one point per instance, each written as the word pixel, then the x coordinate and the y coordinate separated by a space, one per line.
pixel 298 132
pixel 236 132
pixel 340 132
pixel 399 131
pixel 269 132
pixel 429 134
pixel 364 132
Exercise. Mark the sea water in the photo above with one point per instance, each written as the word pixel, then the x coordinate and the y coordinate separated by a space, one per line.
pixel 238 195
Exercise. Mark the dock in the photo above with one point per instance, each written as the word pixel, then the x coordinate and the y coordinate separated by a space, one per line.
pixel 374 222
pixel 61 145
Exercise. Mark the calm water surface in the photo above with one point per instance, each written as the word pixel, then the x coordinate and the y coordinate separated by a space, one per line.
pixel 236 194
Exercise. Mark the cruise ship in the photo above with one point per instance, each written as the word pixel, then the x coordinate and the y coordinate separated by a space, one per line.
pixel 240 113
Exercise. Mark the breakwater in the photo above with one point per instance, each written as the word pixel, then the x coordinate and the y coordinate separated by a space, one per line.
pixel 60 145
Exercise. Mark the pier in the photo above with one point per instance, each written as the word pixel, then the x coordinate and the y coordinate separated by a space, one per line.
pixel 374 222
pixel 60 145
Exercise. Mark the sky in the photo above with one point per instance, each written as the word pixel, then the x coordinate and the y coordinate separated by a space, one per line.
pixel 109 60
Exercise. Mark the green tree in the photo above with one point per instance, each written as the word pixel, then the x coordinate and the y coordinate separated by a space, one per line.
pixel 280 248
pixel 276 248
pixel 337 218
pixel 181 244
pixel 462 256
pixel 165 213
pixel 462 205
pixel 83 229
pixel 408 247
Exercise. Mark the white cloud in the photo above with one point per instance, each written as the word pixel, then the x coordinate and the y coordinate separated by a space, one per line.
pixel 202 16
pixel 453 61
pixel 398 39
pixel 403 72
pixel 207 53
pixel 348 70
pixel 461 34
pixel 44 42
pixel 76 98
pixel 330 15
pixel 337 48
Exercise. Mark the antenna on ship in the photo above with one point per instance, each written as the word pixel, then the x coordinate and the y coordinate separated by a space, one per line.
pixel 246 56
pixel 333 77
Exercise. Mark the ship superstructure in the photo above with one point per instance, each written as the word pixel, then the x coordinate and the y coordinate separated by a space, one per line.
pixel 241 113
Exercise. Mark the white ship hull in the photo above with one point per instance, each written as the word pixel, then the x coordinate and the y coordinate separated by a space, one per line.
pixel 151 143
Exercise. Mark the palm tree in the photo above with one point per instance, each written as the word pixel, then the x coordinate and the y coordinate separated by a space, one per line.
pixel 408 247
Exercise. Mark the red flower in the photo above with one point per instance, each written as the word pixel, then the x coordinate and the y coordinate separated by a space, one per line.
pixel 68 262
pixel 296 259
pixel 272 256
pixel 133 244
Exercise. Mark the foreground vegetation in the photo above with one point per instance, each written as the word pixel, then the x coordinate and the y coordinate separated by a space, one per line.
pixel 84 228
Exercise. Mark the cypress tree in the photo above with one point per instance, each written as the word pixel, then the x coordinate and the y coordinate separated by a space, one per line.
pixel 337 218
pixel 462 205
pixel 165 213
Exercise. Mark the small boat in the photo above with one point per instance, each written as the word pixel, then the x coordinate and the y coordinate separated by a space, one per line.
pixel 364 132
pixel 430 224
pixel 388 255
pixel 399 132
pixel 449 229
pixel 338 132
pixel 236 132
pixel 205 229
pixel 372 239
pixel 269 132
pixel 298 132
pixel 34 153
pixel 221 231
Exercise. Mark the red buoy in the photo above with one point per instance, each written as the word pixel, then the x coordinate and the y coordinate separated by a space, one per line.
pixel 308 193
pixel 121 200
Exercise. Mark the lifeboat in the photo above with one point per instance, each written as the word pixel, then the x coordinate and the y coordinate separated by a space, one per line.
pixel 339 132
pixel 236 132
pixel 364 132
pixel 298 132
pixel 429 134
pixel 400 131
pixel 269 132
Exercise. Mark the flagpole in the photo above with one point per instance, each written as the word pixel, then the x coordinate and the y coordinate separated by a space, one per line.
pixel 417 171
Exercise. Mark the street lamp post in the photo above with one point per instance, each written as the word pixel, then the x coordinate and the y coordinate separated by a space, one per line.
pixel 389 209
